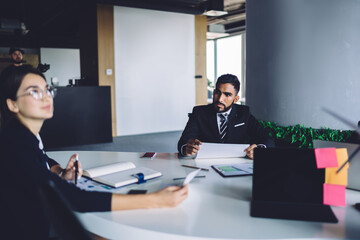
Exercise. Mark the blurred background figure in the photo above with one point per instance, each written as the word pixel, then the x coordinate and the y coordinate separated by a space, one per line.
pixel 16 55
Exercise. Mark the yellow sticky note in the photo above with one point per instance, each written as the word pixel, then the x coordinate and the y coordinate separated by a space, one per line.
pixel 341 178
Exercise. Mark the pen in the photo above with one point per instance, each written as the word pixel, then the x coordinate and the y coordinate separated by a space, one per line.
pixel 76 168
pixel 180 178
pixel 204 169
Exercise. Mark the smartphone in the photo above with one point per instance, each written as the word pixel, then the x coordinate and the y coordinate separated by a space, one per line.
pixel 137 191
pixel 149 155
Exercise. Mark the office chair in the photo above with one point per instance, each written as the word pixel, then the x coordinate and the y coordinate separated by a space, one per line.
pixel 64 221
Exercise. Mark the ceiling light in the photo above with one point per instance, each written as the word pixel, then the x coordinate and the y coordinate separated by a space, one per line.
pixel 215 8
pixel 215 13
pixel 215 35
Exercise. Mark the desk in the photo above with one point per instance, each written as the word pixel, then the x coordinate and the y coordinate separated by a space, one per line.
pixel 216 208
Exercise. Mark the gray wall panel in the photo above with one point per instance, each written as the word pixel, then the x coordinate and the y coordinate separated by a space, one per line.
pixel 303 55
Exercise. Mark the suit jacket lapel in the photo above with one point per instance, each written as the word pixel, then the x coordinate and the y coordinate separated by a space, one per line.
pixel 235 117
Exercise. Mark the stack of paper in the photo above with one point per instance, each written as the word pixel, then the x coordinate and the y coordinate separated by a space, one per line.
pixel 221 150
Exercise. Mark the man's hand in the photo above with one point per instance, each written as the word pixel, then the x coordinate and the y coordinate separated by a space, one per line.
pixel 192 147
pixel 250 151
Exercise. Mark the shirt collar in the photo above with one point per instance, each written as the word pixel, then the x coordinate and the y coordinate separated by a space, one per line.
pixel 227 112
pixel 41 145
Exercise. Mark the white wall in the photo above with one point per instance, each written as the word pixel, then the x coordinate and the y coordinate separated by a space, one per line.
pixel 64 64
pixel 154 70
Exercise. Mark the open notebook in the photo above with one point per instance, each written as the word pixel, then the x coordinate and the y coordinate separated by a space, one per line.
pixel 119 174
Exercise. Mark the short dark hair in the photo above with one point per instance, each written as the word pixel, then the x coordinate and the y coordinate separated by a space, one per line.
pixel 10 81
pixel 13 49
pixel 229 78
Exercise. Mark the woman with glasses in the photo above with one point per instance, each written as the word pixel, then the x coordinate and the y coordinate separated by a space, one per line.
pixel 26 101
pixel 38 94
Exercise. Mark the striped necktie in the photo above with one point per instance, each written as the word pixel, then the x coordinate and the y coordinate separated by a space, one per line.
pixel 223 126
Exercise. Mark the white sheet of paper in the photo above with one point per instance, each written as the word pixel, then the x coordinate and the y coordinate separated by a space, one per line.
pixel 221 150
pixel 190 176
pixel 90 185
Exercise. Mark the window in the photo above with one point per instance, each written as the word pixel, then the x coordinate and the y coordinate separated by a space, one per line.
pixel 226 55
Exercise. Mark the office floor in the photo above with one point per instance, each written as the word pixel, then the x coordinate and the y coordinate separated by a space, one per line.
pixel 153 142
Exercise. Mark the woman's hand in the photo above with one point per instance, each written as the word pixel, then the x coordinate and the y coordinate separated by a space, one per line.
pixel 170 196
pixel 69 172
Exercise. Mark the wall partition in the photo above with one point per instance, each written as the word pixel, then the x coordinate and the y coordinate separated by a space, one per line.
pixel 302 56
pixel 155 69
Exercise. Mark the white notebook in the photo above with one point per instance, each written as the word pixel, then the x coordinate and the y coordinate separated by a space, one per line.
pixel 119 174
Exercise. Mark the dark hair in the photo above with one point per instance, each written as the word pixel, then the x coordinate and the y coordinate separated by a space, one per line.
pixel 10 81
pixel 229 78
pixel 13 49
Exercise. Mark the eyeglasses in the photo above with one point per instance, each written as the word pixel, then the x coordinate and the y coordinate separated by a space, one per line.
pixel 37 93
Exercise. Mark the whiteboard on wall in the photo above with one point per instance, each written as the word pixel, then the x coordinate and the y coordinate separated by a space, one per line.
pixel 64 64
pixel 154 70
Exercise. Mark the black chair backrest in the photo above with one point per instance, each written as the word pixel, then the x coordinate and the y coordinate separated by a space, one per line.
pixel 65 223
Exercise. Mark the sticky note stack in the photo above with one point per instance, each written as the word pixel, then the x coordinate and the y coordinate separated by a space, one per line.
pixel 335 183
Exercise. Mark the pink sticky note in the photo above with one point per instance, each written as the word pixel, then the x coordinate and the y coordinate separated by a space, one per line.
pixel 326 157
pixel 334 195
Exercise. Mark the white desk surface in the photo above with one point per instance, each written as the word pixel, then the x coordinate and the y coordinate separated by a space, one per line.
pixel 216 208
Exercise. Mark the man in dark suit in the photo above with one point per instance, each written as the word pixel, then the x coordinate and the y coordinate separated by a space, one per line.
pixel 223 122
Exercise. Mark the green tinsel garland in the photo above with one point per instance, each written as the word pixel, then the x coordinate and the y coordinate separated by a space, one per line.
pixel 303 136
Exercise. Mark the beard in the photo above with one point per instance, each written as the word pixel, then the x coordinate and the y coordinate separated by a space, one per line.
pixel 17 61
pixel 217 109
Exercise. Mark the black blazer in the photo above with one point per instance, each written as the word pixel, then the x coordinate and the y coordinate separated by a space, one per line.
pixel 243 128
pixel 24 171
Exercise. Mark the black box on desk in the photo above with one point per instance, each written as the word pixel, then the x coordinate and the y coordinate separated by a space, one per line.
pixel 288 185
